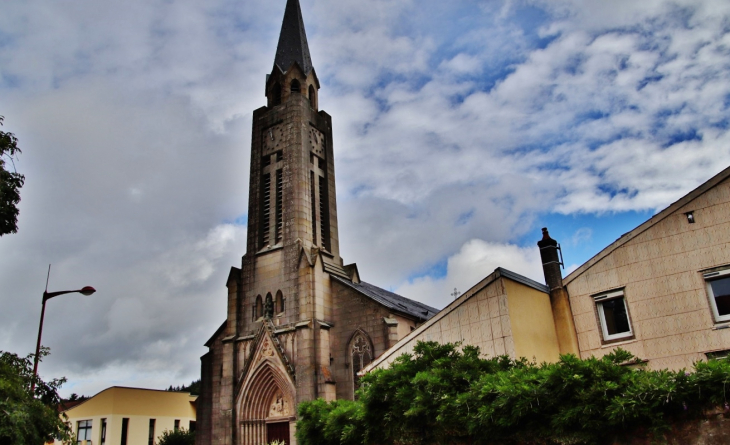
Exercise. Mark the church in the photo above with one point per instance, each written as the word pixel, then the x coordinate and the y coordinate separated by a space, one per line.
pixel 301 323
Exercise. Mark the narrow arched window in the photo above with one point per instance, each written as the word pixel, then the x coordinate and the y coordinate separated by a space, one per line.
pixel 312 97
pixel 258 308
pixel 361 354
pixel 295 86
pixel 279 302
pixel 276 94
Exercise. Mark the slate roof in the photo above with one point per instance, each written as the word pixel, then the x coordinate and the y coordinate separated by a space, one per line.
pixel 390 300
pixel 293 45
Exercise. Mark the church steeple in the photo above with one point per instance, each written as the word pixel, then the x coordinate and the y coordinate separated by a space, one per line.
pixel 293 45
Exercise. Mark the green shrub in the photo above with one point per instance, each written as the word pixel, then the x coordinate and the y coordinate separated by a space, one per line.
pixel 441 394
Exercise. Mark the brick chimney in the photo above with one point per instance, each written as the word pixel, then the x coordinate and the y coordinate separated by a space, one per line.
pixel 559 301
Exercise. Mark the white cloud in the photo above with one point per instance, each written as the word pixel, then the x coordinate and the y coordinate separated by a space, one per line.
pixel 475 260
pixel 456 125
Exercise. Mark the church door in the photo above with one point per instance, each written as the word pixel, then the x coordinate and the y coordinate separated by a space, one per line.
pixel 277 431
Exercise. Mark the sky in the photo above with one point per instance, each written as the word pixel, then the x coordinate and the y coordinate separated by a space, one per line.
pixel 460 129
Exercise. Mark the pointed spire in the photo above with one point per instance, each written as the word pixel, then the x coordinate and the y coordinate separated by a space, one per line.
pixel 293 40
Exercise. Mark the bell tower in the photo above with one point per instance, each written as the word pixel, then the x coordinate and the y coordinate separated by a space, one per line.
pixel 292 188
pixel 298 318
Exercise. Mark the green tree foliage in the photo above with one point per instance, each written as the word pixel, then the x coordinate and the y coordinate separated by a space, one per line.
pixel 179 437
pixel 25 417
pixel 441 394
pixel 10 183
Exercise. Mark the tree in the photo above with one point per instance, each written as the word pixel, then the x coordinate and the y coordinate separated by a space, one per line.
pixel 28 418
pixel 178 437
pixel 10 183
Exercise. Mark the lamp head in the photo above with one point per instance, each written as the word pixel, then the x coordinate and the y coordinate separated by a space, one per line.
pixel 87 290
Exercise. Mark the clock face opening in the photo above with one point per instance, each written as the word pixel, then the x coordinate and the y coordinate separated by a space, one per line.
pixel 272 139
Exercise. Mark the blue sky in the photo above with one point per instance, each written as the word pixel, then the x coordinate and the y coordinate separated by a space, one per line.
pixel 461 128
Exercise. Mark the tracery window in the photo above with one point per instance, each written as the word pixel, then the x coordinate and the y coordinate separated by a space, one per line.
pixel 361 354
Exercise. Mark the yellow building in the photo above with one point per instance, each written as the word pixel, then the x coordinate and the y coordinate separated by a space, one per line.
pixel 504 314
pixel 130 416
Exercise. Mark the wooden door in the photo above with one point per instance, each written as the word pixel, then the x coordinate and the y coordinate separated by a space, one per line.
pixel 277 431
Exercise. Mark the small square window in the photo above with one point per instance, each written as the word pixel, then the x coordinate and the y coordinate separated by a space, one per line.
pixel 613 315
pixel 718 289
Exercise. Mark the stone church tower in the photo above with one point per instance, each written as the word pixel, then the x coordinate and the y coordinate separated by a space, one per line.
pixel 300 322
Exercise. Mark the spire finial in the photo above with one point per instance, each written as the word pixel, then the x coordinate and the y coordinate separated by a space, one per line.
pixel 293 45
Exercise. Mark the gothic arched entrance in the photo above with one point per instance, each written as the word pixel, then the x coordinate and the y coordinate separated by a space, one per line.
pixel 266 406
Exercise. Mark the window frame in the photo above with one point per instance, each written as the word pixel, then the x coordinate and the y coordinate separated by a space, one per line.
pixel 87 428
pixel 603 297
pixel 709 277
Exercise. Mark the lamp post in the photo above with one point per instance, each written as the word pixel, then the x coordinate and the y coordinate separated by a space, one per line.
pixel 87 290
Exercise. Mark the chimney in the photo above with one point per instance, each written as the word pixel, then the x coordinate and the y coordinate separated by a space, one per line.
pixel 559 301
pixel 550 260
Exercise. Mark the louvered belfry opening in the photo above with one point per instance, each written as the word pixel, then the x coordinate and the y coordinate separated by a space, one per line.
pixel 313 196
pixel 265 208
pixel 324 213
pixel 279 210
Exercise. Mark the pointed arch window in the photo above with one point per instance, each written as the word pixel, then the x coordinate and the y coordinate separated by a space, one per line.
pixel 295 86
pixel 258 308
pixel 361 354
pixel 279 304
pixel 312 97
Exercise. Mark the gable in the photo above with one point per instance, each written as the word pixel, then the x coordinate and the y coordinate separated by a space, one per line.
pixel 677 208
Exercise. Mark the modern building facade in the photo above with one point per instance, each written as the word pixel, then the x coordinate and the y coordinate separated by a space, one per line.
pixel 661 291
pixel 300 322
pixel 130 416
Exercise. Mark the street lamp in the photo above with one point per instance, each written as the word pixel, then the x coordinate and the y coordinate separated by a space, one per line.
pixel 87 290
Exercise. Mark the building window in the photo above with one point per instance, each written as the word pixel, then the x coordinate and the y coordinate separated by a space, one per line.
pixel 295 86
pixel 717 355
pixel 361 355
pixel 613 315
pixel 279 302
pixel 177 424
pixel 312 97
pixel 125 428
pixel 83 432
pixel 718 289
pixel 258 308
pixel 102 434
pixel 151 438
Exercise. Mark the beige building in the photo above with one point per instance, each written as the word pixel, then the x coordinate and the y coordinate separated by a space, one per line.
pixel 504 314
pixel 130 416
pixel 661 291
